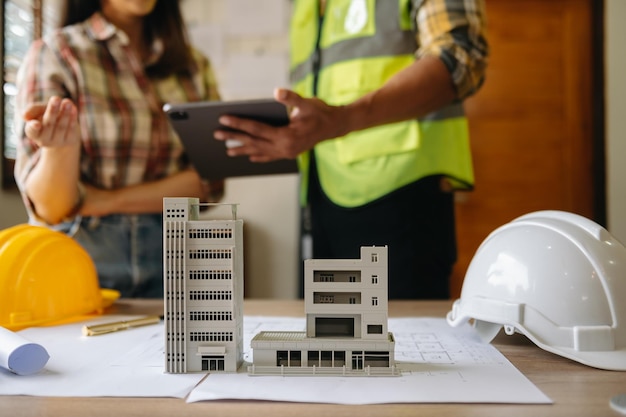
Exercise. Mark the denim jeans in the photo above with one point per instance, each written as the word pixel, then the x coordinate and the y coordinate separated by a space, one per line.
pixel 126 249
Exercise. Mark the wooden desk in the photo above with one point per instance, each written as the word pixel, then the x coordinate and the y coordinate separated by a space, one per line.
pixel 576 390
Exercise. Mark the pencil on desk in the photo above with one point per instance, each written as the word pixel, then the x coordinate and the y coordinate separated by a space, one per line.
pixel 115 326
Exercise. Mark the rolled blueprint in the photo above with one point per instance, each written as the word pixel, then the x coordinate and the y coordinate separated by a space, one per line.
pixel 20 355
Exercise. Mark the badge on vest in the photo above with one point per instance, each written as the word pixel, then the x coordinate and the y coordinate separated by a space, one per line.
pixel 356 18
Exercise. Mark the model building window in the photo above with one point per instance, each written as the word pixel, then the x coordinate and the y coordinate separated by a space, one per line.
pixel 336 298
pixel 377 359
pixel 374 301
pixel 339 358
pixel 175 295
pixel 210 233
pixel 210 254
pixel 221 274
pixel 220 233
pixel 211 337
pixel 323 299
pixel 374 329
pixel 220 254
pixel 374 257
pixel 295 358
pixel 313 358
pixel 334 327
pixel 326 358
pixel 175 213
pixel 198 254
pixel 173 254
pixel 198 233
pixel 198 274
pixel 210 274
pixel 325 277
pixel 337 276
pixel 210 295
pixel 374 279
pixel 210 316
pixel 282 358
pixel 221 295
pixel 173 233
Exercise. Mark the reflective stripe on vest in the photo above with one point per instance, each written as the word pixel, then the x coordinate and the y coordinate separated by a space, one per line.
pixel 362 44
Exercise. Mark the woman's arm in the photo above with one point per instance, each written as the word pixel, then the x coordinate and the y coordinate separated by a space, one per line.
pixel 143 198
pixel 52 184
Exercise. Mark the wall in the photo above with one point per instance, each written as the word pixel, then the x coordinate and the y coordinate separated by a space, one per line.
pixel 11 209
pixel 615 13
pixel 247 44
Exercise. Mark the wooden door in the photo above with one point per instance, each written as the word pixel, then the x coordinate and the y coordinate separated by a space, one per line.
pixel 531 123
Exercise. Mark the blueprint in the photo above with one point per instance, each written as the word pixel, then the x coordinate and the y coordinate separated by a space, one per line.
pixel 438 363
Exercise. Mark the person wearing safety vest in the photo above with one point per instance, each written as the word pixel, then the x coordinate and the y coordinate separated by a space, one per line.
pixel 377 125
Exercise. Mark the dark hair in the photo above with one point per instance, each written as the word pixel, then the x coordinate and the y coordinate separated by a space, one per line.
pixel 164 22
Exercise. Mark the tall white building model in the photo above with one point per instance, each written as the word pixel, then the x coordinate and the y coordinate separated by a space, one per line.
pixel 203 289
pixel 346 323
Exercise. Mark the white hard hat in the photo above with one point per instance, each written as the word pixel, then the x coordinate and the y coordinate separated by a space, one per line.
pixel 558 278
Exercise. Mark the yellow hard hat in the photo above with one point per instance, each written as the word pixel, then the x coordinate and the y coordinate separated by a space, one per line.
pixel 46 278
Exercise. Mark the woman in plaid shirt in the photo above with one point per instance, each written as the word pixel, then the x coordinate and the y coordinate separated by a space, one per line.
pixel 98 154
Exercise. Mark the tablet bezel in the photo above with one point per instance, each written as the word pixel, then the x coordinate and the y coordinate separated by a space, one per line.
pixel 195 123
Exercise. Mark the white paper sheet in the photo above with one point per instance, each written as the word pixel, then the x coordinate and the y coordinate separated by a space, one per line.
pixel 128 363
pixel 438 364
pixel 20 355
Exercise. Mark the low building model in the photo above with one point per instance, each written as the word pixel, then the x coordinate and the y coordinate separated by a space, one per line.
pixel 203 289
pixel 346 323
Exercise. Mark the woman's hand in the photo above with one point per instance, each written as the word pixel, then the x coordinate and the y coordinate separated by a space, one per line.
pixel 54 124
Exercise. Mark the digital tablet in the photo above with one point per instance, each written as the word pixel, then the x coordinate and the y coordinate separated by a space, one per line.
pixel 196 122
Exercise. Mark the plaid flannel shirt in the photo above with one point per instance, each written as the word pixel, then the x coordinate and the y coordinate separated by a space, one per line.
pixel 455 31
pixel 126 137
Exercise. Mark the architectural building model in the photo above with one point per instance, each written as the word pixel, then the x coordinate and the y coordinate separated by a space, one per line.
pixel 345 305
pixel 203 289
pixel 346 323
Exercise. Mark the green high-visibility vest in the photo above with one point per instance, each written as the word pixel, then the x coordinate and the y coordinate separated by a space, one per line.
pixel 357 48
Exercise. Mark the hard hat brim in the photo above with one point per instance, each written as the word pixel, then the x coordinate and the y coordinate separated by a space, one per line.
pixel 109 297
pixel 487 326
pixel 614 360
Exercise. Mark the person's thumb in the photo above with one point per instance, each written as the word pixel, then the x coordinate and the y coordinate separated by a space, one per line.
pixel 290 99
pixel 287 97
